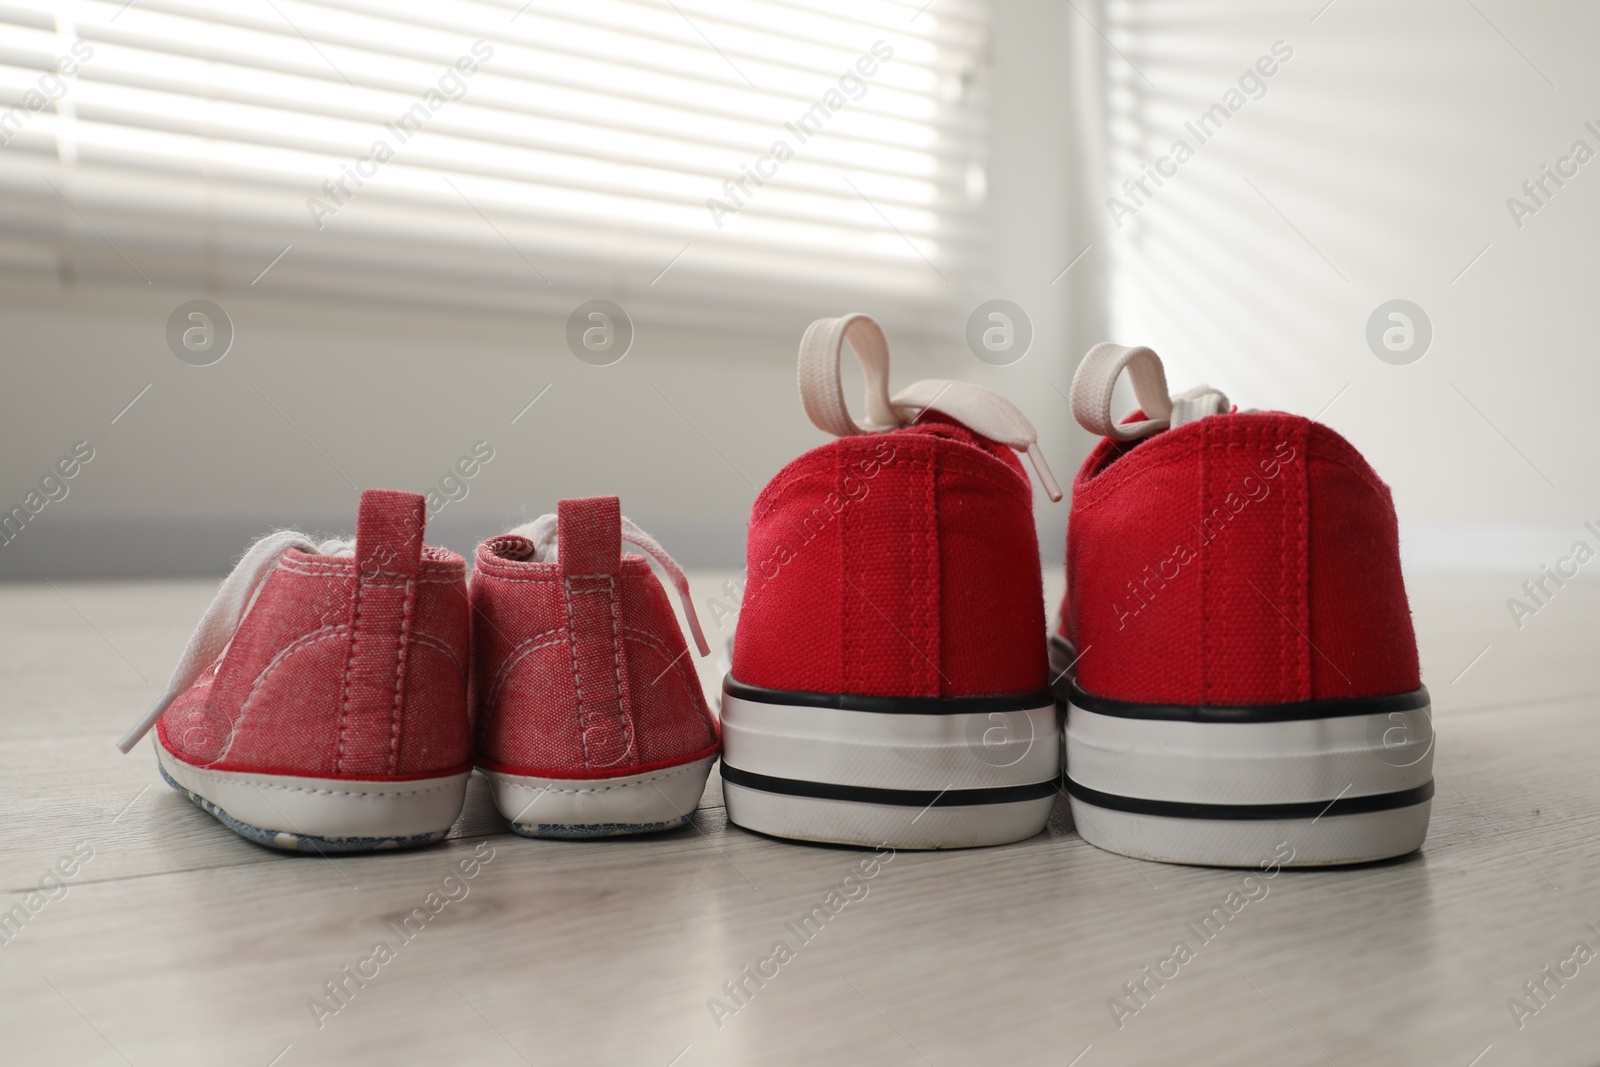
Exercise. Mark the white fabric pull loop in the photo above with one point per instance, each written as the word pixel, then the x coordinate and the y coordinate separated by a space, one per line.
pixel 1095 381
pixel 822 394
pixel 821 388
pixel 221 620
pixel 547 549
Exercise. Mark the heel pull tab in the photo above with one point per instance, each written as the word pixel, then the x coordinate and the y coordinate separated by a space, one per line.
pixel 589 532
pixel 389 529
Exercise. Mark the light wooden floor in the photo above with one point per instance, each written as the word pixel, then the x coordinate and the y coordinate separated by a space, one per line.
pixel 180 943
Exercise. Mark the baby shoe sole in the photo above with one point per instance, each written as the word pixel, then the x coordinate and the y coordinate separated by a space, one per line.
pixel 913 773
pixel 299 814
pixel 1308 784
pixel 660 799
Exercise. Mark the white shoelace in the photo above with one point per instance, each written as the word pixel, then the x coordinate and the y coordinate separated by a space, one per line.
pixel 221 620
pixel 543 533
pixel 822 393
pixel 1096 379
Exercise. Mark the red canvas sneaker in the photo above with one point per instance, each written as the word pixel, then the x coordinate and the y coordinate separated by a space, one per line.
pixel 1244 680
pixel 888 681
pixel 590 717
pixel 322 702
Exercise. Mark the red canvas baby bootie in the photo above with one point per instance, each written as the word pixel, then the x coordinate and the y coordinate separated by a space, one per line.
pixel 590 717
pixel 888 681
pixel 321 704
pixel 1244 687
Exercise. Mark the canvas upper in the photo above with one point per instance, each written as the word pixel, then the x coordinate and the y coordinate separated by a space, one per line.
pixel 579 667
pixel 1231 558
pixel 900 560
pixel 335 661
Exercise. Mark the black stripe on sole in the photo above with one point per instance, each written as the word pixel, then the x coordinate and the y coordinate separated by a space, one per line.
pixel 900 798
pixel 980 705
pixel 1311 809
pixel 1251 713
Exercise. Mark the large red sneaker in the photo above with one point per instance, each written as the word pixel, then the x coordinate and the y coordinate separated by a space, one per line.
pixel 1245 685
pixel 590 718
pixel 321 704
pixel 888 681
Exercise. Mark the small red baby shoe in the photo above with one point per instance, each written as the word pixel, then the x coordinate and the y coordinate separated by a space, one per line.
pixel 888 681
pixel 590 719
pixel 1244 683
pixel 321 704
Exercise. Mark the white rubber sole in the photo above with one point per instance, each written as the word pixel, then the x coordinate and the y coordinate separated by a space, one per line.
pixel 914 773
pixel 322 814
pixel 1315 784
pixel 1330 841
pixel 600 807
pixel 842 822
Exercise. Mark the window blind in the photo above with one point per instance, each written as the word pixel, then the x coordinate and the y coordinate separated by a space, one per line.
pixel 700 154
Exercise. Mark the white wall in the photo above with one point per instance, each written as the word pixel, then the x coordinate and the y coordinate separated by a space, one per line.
pixel 1378 166
pixel 317 399
pixel 378 396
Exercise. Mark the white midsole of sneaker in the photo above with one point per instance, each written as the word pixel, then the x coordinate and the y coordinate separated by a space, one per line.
pixel 1249 763
pixel 943 780
pixel 892 751
pixel 1320 767
pixel 335 808
pixel 655 797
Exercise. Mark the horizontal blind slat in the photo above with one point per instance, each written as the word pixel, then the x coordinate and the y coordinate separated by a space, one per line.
pixel 600 142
